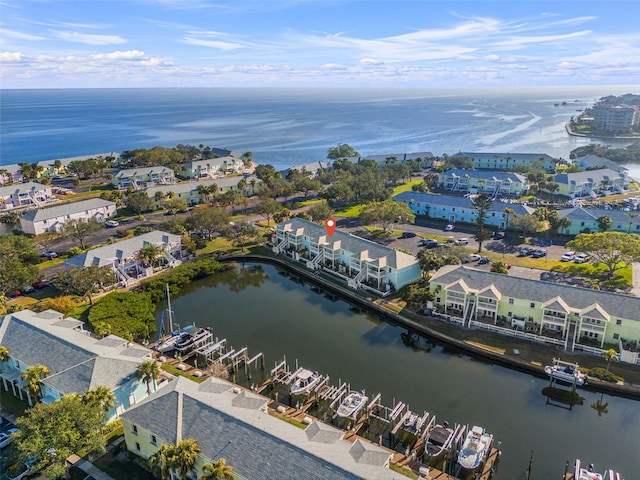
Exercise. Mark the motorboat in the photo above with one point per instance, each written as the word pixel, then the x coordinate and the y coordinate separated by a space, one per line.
pixel 186 345
pixel 411 422
pixel 589 473
pixel 176 337
pixel 566 373
pixel 475 448
pixel 304 381
pixel 352 404
pixel 438 440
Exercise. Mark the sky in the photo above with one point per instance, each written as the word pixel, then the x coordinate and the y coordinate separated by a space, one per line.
pixel 318 43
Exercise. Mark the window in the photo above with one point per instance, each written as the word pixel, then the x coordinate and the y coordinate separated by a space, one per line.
pixel 532 305
pixel 154 440
pixel 437 299
pixel 618 322
pixel 132 399
pixel 137 446
pixel 616 336
pixel 134 429
pixel 511 301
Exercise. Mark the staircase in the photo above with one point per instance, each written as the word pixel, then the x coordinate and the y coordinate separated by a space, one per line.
pixel 125 277
pixel 469 310
pixel 317 259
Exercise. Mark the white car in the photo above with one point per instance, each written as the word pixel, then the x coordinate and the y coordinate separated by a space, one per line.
pixel 462 241
pixel 475 257
pixel 449 227
pixel 567 257
pixel 6 437
pixel 581 258
pixel 111 223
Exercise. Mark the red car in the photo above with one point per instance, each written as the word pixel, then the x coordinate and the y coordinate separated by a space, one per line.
pixel 39 284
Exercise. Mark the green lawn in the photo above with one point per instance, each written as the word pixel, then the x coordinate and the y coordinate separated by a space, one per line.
pixel 406 187
pixel 350 212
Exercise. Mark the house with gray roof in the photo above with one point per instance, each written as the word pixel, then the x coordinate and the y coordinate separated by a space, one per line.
pixel 143 177
pixel 359 262
pixel 122 256
pixel 483 181
pixel 563 315
pixel 53 219
pixel 193 193
pixel 595 162
pixel 456 208
pixel 585 220
pixel 24 195
pixel 507 161
pixel 232 423
pixel 77 361
pixel 592 183
pixel 213 167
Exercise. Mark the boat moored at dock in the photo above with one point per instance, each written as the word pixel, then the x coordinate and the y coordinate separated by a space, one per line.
pixel 438 440
pixel 475 448
pixel 589 473
pixel 304 381
pixel 566 372
pixel 192 340
pixel 352 404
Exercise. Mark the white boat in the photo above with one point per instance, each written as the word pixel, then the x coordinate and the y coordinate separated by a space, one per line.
pixel 438 439
pixel 304 381
pixel 352 404
pixel 186 345
pixel 589 473
pixel 475 448
pixel 411 422
pixel 566 373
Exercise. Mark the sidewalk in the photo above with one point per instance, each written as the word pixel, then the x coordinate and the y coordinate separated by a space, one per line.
pixel 91 470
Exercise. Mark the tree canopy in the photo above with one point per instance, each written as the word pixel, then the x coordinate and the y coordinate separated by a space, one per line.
pixel 84 281
pixel 342 150
pixel 80 229
pixel 615 250
pixel 482 203
pixel 129 314
pixel 385 213
pixel 49 433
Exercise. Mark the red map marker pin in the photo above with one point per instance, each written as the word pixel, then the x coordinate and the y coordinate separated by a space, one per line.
pixel 330 225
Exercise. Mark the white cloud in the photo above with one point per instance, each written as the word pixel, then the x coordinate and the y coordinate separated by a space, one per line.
pixel 89 39
pixel 6 33
pixel 11 57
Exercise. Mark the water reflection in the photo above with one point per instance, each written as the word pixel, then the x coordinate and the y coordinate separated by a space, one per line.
pixel 270 312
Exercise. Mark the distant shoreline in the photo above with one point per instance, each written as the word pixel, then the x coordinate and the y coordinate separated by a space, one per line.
pixel 567 127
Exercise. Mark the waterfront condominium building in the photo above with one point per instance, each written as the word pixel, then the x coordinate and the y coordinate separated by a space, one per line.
pixel 360 262
pixel 616 118
pixel 570 317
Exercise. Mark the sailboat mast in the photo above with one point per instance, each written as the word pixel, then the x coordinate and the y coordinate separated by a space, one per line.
pixel 169 313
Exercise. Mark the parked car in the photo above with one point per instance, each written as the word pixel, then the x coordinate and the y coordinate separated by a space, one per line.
pixel 498 235
pixel 428 243
pixel 568 256
pixel 539 253
pixel 461 241
pixel 408 234
pixel 581 258
pixel 525 252
pixel 449 227
pixel 111 223
pixel 49 254
pixel 484 261
pixel 39 284
pixel 6 438
pixel 475 257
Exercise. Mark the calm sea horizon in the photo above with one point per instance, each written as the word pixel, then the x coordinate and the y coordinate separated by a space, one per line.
pixel 286 127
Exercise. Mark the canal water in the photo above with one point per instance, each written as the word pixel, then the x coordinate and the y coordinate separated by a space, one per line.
pixel 268 310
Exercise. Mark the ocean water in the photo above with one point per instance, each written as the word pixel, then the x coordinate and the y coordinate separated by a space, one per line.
pixel 285 127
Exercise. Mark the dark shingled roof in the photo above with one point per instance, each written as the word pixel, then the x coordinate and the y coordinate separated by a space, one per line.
pixel 254 453
pixel 622 306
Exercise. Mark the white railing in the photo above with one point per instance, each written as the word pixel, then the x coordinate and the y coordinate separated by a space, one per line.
pixel 587 348
pixel 448 318
pixel 515 333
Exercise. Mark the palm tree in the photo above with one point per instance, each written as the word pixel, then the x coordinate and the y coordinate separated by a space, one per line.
pixel 184 457
pixel 101 396
pixel 4 353
pixel 33 376
pixel 508 211
pixel 150 253
pixel 218 471
pixel 149 372
pixel 563 223
pixel 159 462
pixel 611 354
pixel 632 217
